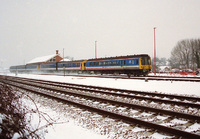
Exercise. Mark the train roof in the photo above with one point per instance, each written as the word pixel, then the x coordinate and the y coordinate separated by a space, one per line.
pixel 120 57
pixel 71 61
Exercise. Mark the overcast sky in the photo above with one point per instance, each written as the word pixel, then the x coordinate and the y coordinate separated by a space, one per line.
pixel 34 28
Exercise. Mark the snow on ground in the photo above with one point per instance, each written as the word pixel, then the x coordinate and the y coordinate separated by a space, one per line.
pixel 73 131
pixel 68 129
pixel 171 87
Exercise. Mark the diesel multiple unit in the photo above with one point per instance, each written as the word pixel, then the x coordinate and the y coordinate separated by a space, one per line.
pixel 131 65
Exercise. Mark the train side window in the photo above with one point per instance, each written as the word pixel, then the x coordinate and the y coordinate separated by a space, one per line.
pixel 124 62
pixel 133 62
pixel 137 62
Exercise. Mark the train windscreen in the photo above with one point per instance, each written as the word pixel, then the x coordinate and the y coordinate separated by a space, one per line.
pixel 145 61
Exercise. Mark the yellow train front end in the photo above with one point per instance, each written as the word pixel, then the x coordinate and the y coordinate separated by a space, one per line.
pixel 145 65
pixel 83 65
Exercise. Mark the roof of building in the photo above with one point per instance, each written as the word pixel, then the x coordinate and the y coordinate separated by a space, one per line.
pixel 42 59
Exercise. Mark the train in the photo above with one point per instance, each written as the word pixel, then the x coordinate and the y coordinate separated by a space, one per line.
pixel 135 65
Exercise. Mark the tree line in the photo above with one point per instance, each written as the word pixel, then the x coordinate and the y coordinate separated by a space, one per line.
pixel 186 54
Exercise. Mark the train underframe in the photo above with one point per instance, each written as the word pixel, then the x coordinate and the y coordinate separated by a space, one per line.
pixel 138 72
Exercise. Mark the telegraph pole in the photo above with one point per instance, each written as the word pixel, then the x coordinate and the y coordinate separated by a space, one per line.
pixel 63 53
pixel 154 50
pixel 96 49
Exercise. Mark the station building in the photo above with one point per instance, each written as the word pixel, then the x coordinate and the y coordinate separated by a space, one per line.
pixel 46 59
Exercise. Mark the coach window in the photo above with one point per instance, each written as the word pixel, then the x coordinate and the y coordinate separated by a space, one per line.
pixel 137 62
pixel 133 61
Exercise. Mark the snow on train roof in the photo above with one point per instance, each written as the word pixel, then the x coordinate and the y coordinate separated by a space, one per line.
pixel 41 59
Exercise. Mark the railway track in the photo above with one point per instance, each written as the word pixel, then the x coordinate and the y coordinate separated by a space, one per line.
pixel 158 78
pixel 164 113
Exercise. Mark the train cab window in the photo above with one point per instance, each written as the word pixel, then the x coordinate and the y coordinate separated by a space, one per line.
pixel 145 61
pixel 149 61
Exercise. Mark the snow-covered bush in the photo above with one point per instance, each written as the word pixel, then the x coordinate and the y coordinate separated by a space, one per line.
pixel 15 116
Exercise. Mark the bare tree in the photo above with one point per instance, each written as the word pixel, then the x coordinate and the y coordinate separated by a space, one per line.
pixel 186 54
pixel 195 46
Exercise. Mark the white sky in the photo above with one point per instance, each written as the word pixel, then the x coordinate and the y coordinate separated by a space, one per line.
pixel 34 28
